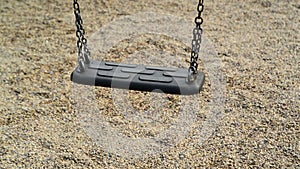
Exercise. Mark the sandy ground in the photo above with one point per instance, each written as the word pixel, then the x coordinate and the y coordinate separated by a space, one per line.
pixel 258 42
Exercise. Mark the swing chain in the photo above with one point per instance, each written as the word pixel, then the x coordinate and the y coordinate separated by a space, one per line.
pixel 197 38
pixel 84 53
pixel 83 50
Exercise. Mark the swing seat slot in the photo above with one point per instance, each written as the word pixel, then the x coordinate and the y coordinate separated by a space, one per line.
pixel 139 77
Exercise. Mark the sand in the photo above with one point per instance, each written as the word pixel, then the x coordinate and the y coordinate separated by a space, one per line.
pixel 257 42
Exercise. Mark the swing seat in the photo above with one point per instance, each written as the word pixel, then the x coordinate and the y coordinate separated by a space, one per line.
pixel 139 77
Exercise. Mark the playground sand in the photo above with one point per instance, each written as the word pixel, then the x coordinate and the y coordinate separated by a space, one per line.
pixel 257 41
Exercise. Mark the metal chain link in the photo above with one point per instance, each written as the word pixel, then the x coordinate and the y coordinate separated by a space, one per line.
pixel 197 38
pixel 83 51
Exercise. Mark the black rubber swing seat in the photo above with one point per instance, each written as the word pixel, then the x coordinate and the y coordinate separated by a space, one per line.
pixel 139 77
